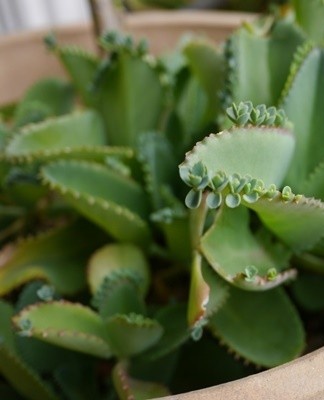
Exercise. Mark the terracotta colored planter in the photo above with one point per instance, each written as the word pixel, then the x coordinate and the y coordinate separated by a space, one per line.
pixel 24 59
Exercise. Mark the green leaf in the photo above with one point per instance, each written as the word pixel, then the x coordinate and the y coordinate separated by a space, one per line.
pixel 132 334
pixel 58 137
pixel 298 223
pixel 260 62
pixel 123 103
pixel 308 291
pixel 25 381
pixel 52 256
pixel 310 15
pixel 114 202
pixel 69 325
pixel 314 186
pixel 263 328
pixel 232 249
pixel 207 64
pixel 82 67
pixel 78 382
pixel 175 331
pixel 153 149
pixel 245 151
pixel 306 81
pixel 53 93
pixel 129 388
pixel 117 257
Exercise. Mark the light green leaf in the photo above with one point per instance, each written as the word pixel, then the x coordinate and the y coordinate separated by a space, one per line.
pixel 69 325
pixel 58 136
pixel 114 202
pixel 310 16
pixel 132 334
pixel 306 81
pixel 52 256
pixel 263 328
pixel 245 151
pixel 232 250
pixel 298 223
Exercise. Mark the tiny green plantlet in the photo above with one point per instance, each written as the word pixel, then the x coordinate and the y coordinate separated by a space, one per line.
pixel 136 245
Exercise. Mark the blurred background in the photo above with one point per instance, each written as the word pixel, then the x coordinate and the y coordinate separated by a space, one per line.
pixel 20 15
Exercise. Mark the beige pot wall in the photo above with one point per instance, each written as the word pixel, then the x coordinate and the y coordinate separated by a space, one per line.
pixel 24 59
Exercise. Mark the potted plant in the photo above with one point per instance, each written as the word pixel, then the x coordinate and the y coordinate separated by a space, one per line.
pixel 128 277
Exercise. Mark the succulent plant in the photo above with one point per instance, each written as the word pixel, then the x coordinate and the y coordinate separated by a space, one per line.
pixel 121 272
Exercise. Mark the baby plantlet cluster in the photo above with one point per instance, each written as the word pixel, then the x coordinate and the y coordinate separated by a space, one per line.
pixel 116 281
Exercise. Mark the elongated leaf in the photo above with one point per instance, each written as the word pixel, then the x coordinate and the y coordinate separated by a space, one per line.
pixel 305 82
pixel 123 103
pixel 65 324
pixel 207 64
pixel 82 67
pixel 261 327
pixel 310 15
pixel 21 377
pixel 260 61
pixel 239 256
pixel 53 256
pixel 131 334
pixel 314 186
pixel 245 151
pixel 299 224
pixel 153 150
pixel 58 135
pixel 114 202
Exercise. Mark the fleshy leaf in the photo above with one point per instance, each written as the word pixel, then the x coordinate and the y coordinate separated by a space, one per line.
pixel 82 67
pixel 129 388
pixel 20 376
pixel 51 256
pixel 234 251
pixel 263 328
pixel 131 334
pixel 123 103
pixel 114 202
pixel 53 93
pixel 174 322
pixel 153 150
pixel 70 325
pixel 306 81
pixel 314 186
pixel 259 62
pixel 58 135
pixel 310 16
pixel 117 257
pixel 298 223
pixel 308 291
pixel 245 151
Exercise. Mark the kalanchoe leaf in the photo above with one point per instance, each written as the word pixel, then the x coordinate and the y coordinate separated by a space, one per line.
pixel 272 273
pixel 214 200
pixel 70 325
pixel 298 221
pixel 232 249
pixel 232 324
pixel 29 259
pixel 46 293
pixel 193 198
pixel 250 273
pixel 287 194
pixel 219 181
pixel 233 200
pixel 129 388
pixel 131 334
pixel 245 151
pixel 251 197
pixel 113 258
pixel 271 115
